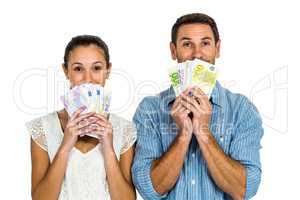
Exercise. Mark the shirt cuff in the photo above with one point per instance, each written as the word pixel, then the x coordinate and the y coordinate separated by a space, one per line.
pixel 253 175
pixel 144 184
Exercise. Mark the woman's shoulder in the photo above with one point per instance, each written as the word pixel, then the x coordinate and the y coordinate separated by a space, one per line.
pixel 37 128
pixel 118 120
pixel 128 131
pixel 39 121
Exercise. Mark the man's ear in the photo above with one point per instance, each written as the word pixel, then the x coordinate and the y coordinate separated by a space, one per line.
pixel 108 70
pixel 65 69
pixel 218 47
pixel 173 51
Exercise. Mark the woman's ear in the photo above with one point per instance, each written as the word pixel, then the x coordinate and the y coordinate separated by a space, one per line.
pixel 65 69
pixel 108 70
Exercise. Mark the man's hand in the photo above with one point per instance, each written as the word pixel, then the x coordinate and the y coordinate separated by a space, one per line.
pixel 180 114
pixel 228 174
pixel 201 108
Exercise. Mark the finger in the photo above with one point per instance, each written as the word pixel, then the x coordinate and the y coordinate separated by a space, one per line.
pixel 182 109
pixel 83 131
pixel 176 102
pixel 198 90
pixel 202 98
pixel 192 101
pixel 81 117
pixel 95 126
pixel 199 93
pixel 177 108
pixel 77 112
pixel 103 124
pixel 187 91
pixel 101 134
pixel 85 123
pixel 102 121
pixel 189 106
pixel 101 117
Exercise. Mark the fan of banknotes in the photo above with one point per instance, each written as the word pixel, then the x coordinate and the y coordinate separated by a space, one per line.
pixel 193 73
pixel 91 96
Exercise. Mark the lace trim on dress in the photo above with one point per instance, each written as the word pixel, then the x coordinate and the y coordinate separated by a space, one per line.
pixel 36 130
pixel 129 137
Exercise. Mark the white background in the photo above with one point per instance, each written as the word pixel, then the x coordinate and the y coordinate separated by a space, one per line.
pixel 260 41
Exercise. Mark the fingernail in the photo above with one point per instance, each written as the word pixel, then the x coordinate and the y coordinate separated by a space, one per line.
pixel 83 107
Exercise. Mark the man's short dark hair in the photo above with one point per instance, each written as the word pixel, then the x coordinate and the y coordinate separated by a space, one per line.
pixel 85 40
pixel 193 19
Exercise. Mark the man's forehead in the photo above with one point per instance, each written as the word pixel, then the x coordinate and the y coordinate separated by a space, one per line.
pixel 194 31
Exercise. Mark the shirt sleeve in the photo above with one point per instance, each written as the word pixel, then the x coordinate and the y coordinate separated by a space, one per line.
pixel 37 133
pixel 245 145
pixel 129 136
pixel 148 148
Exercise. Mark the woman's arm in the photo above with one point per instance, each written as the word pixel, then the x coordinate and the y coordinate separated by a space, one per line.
pixel 119 175
pixel 47 178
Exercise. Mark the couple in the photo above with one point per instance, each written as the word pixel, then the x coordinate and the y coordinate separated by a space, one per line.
pixel 166 154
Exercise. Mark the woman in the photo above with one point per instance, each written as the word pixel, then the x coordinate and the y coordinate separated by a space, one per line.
pixel 65 166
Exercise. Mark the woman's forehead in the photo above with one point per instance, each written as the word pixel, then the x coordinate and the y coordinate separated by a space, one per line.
pixel 87 53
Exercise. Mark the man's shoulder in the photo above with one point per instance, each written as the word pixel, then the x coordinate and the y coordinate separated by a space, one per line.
pixel 236 101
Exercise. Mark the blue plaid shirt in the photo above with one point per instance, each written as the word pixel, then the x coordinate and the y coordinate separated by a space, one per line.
pixel 236 126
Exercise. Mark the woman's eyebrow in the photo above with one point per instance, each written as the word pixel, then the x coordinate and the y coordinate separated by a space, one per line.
pixel 76 63
pixel 97 62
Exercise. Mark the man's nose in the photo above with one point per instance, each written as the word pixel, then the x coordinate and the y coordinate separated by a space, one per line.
pixel 197 52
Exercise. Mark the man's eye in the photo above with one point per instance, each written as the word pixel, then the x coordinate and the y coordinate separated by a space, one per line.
pixel 187 44
pixel 205 43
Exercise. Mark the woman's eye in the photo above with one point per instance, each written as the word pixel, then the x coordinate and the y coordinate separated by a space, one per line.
pixel 78 69
pixel 98 67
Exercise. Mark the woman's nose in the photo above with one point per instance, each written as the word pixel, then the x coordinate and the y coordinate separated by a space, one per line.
pixel 88 77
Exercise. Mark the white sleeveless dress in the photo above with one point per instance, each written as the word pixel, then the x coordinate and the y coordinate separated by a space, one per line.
pixel 85 176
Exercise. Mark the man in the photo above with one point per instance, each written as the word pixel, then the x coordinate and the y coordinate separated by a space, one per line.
pixel 212 155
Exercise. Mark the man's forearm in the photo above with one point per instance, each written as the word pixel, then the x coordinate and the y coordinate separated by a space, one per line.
pixel 228 174
pixel 165 170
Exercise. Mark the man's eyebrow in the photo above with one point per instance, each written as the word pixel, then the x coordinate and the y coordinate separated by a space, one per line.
pixel 206 38
pixel 185 38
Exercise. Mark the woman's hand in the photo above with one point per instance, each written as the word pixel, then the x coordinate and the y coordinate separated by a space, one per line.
pixel 103 129
pixel 76 125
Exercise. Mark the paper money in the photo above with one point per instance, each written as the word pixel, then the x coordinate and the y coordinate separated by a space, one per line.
pixel 174 76
pixel 92 96
pixel 193 73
